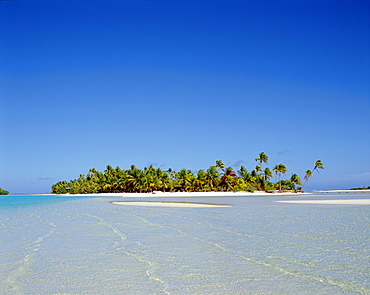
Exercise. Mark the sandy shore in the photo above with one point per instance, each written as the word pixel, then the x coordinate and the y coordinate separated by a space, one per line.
pixel 171 204
pixel 179 194
pixel 219 194
pixel 189 194
pixel 331 202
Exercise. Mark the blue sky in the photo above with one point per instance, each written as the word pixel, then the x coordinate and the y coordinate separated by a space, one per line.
pixel 181 84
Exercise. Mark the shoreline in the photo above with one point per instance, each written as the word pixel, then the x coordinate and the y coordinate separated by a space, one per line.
pixel 159 194
pixel 153 199
pixel 202 194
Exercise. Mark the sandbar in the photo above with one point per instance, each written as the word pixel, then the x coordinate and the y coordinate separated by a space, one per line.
pixel 330 202
pixel 170 204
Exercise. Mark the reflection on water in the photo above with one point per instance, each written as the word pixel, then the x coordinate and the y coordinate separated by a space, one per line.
pixel 257 246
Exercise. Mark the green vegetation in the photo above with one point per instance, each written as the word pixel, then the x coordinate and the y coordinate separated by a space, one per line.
pixel 360 188
pixel 215 178
pixel 3 192
pixel 318 165
pixel 280 169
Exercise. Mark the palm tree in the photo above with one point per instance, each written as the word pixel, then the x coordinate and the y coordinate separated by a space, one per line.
pixel 171 172
pixel 220 165
pixel 258 168
pixel 213 178
pixel 264 178
pixel 318 165
pixel 166 182
pixel 185 179
pixel 141 184
pixel 228 180
pixel 267 174
pixel 242 171
pixel 294 179
pixel 306 177
pixel 263 158
pixel 309 173
pixel 248 177
pixel 280 169
pixel 60 187
pixel 240 184
pixel 133 176
pixel 200 180
pixel 109 170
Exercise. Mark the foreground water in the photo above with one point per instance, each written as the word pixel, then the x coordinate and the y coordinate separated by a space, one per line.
pixel 51 245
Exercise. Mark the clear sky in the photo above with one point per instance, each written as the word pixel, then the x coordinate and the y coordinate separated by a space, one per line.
pixel 181 84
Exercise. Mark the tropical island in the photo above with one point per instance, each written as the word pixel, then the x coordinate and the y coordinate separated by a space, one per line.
pixel 360 188
pixel 217 178
pixel 3 192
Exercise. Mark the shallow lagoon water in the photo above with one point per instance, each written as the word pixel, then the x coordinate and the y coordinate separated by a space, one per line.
pixel 257 246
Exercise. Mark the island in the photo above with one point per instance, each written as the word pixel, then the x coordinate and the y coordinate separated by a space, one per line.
pixel 360 188
pixel 217 178
pixel 3 192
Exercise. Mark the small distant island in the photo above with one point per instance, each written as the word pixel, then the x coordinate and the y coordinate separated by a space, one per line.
pixel 3 192
pixel 360 188
pixel 217 178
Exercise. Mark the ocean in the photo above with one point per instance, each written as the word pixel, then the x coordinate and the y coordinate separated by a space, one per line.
pixel 65 245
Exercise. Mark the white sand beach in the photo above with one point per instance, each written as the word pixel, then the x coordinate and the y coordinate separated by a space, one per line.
pixel 159 194
pixel 189 194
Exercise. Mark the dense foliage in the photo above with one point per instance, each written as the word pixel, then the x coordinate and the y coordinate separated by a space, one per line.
pixel 360 188
pixel 3 192
pixel 149 179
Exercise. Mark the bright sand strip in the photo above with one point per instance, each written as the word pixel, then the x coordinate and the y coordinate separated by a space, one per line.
pixel 170 204
pixel 331 202
pixel 186 194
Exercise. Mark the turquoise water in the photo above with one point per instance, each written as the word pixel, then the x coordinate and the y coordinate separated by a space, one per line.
pixel 53 245
pixel 16 201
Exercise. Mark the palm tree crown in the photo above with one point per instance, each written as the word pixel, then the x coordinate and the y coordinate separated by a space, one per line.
pixel 263 158
pixel 220 165
pixel 318 165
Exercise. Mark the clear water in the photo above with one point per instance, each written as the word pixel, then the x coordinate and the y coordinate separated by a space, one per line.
pixel 52 245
